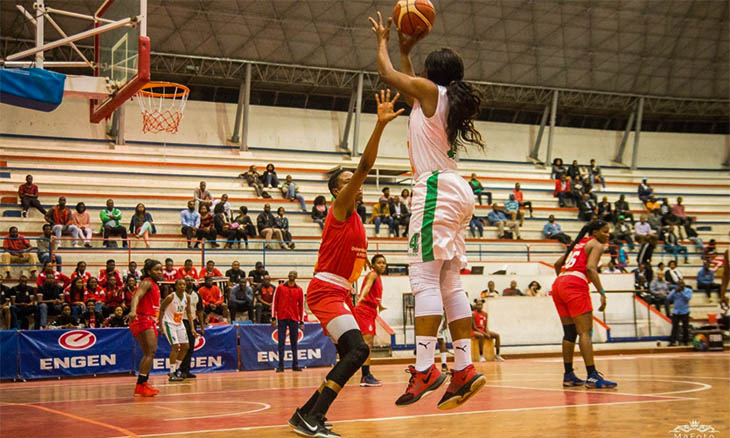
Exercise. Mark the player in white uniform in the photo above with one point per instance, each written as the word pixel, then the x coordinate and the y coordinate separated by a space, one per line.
pixel 444 109
pixel 172 310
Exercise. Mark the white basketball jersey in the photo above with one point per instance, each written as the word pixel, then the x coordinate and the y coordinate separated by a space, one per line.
pixel 176 310
pixel 428 144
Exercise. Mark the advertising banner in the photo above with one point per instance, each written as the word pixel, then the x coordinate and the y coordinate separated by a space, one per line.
pixel 260 347
pixel 8 354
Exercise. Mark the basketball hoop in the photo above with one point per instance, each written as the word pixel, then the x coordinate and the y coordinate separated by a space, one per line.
pixel 162 105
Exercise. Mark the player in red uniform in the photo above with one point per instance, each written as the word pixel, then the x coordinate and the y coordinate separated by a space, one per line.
pixel 366 310
pixel 480 331
pixel 571 296
pixel 143 323
pixel 342 255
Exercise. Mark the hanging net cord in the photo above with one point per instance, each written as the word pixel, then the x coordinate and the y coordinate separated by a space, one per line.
pixel 162 105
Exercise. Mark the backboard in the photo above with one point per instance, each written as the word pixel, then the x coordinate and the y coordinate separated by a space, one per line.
pixel 122 55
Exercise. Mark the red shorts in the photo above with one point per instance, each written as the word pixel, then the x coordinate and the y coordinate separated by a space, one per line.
pixel 327 301
pixel 571 296
pixel 142 323
pixel 365 316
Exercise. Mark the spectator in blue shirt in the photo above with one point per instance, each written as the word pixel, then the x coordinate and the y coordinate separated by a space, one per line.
pixel 680 297
pixel 240 299
pixel 512 209
pixel 705 280
pixel 497 218
pixel 190 220
pixel 552 230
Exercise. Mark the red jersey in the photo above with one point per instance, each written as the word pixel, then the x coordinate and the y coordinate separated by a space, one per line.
pixel 74 296
pixel 211 295
pixel 518 195
pixel 61 279
pixel 205 273
pixel 375 295
pixel 182 273
pixel 577 260
pixel 288 303
pixel 99 295
pixel 149 304
pixel 344 247
pixel 114 297
pixel 266 293
pixel 103 275
pixel 169 275
pixel 480 320
pixel 86 276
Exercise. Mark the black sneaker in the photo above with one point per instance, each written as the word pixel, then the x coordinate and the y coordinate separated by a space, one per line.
pixel 190 375
pixel 173 377
pixel 296 420
pixel 279 370
pixel 297 369
pixel 180 374
pixel 314 426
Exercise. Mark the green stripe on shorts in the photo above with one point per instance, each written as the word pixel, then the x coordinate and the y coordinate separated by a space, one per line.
pixel 167 332
pixel 429 211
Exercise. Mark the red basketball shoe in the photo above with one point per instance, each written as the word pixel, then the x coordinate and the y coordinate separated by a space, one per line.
pixel 420 384
pixel 463 385
pixel 145 390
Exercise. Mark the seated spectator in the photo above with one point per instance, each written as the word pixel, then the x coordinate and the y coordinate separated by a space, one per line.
pixel 678 211
pixel 256 275
pixel 512 289
pixel 405 197
pixel 481 332
pixel 563 191
pixel 235 274
pixel 282 223
pixel 187 270
pixel 111 224
pixel 169 273
pixel 490 291
pixel 386 194
pixel 7 310
pixel 269 177
pixel 476 224
pixel 75 296
pixel 519 196
pixel 82 221
pixel 552 230
pixel 290 190
pixel 655 222
pixel 586 208
pixel 622 209
pixel 641 277
pixel 142 225
pixel 81 271
pixel 50 300
pixel 653 206
pixel 574 171
pixel 132 271
pixel 497 218
pixel 681 297
pixel 361 210
pixel 213 299
pixel 612 268
pixel 710 251
pixel 226 206
pixel 28 195
pixel 381 214
pixel 266 224
pixel 401 216
pixel 319 211
pixel 478 189
pixel 245 224
pixel 512 209
pixel 47 245
pixel 130 288
pixel 253 179
pixel 672 246
pixel 201 196
pixel 91 318
pixel 209 270
pixel 116 294
pixel 645 191
pixel 48 271
pixel 672 275
pixel 693 237
pixel 207 229
pixel 190 222
pixel 706 280
pixel 66 320
pixel 223 227
pixel 109 271
pixel 24 302
pixel 558 169
pixel 533 289
pixel 643 230
pixel 263 299
pixel 622 233
pixel 18 251
pixel 116 319
pixel 658 292
pixel 604 211
pixel 588 189
pixel 60 219
pixel 595 174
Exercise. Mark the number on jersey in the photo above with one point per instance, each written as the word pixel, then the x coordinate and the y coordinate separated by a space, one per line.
pixel 572 258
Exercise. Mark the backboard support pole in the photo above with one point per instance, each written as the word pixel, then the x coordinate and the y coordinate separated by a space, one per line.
pixel 358 113
pixel 39 28
pixel 246 107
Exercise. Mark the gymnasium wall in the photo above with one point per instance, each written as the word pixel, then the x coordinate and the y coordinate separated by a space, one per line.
pixel 212 124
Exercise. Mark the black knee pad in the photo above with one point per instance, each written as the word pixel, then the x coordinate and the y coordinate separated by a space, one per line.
pixel 353 352
pixel 570 333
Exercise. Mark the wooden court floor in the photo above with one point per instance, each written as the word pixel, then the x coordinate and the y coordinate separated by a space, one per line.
pixel 657 394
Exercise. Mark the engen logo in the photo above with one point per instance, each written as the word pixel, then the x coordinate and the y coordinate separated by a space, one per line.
pixel 275 336
pixel 199 343
pixel 77 340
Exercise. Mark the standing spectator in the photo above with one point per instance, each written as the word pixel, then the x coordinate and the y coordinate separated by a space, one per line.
pixel 266 224
pixel 622 233
pixel 646 250
pixel 81 271
pixel 319 211
pixel 253 179
pixel 209 271
pixel 520 198
pixel 645 191
pixel 111 224
pixel 643 230
pixel 50 301
pixel 235 274
pixel 256 275
pixel 552 230
pixel 207 228
pixel 132 271
pixel 381 214
pixel 46 245
pixel 481 332
pixel 400 215
pixel 595 173
pixel 18 251
pixel 75 296
pixel 512 209
pixel 563 191
pixel 213 299
pixel 190 221
pixel 641 277
pixel 290 190
pixel 269 178
pixel 226 205
pixel 142 225
pixel 201 196
pixel 28 194
pixel 60 219
pixel 187 270
pixel 245 224
pixel 263 300
pixel 706 280
pixel 672 246
pixel 622 209
pixel 512 290
pixel 478 189
pixel 672 274
pixel 223 227
pixel 586 208
pixel 23 298
pixel 497 218
pixel 82 221
pixel 680 296
pixel 476 224
pixel 240 299
pixel 604 211
pixel 659 291
pixel 287 311
pixel 558 169
pixel 109 271
pixel 282 223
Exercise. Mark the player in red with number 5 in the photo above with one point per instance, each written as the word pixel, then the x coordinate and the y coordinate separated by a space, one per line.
pixel 572 299
pixel 142 319
pixel 341 258
pixel 369 304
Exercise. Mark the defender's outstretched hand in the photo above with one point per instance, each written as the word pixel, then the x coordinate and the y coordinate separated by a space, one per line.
pixel 386 112
pixel 380 31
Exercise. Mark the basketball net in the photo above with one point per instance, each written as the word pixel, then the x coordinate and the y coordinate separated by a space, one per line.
pixel 162 105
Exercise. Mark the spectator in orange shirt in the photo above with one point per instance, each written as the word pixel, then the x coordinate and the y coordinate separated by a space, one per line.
pixel 18 250
pixel 518 196
pixel 210 270
pixel 263 299
pixel 28 194
pixel 213 299
pixel 188 270
pixel 109 271
pixel 60 219
pixel 562 191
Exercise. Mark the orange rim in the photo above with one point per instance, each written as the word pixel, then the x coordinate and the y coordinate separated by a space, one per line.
pixel 180 90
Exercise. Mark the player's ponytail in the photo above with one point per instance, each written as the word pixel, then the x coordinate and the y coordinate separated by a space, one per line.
pixel 445 67
pixel 587 229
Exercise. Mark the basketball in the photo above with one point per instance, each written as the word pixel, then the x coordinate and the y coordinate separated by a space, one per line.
pixel 700 342
pixel 414 16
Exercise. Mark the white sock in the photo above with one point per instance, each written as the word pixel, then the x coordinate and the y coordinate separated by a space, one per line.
pixel 443 357
pixel 173 367
pixel 425 350
pixel 177 364
pixel 462 353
